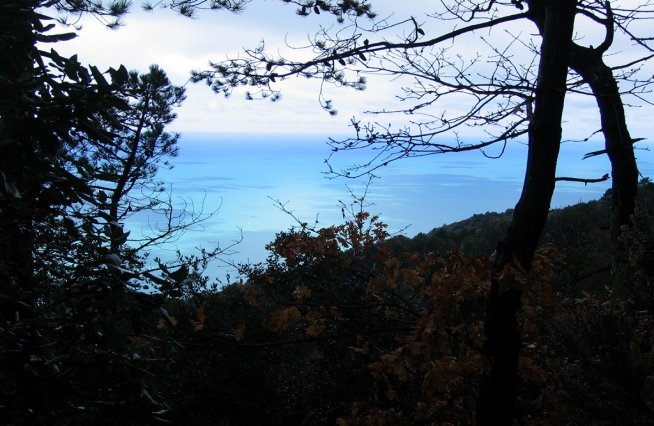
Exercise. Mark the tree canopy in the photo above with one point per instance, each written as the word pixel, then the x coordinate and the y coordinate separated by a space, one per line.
pixel 81 148
pixel 516 95
pixel 427 338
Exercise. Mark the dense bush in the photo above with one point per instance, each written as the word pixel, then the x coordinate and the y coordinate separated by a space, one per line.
pixel 343 325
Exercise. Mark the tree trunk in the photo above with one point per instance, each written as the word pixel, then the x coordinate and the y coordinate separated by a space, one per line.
pixel 588 63
pixel 17 202
pixel 499 393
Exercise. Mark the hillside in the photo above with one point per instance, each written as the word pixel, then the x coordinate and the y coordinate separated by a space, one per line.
pixel 322 336
pixel 579 233
pixel 478 235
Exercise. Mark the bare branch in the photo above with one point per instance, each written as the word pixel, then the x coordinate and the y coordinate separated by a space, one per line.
pixel 585 181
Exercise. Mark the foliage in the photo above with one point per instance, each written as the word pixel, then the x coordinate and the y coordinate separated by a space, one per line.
pixel 580 232
pixel 339 8
pixel 81 149
pixel 509 98
pixel 341 324
pixel 300 313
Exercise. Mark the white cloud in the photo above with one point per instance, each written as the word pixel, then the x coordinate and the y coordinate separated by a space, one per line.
pixel 179 45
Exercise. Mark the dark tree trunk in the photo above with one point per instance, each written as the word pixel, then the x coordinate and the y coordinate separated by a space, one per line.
pixel 588 63
pixel 19 153
pixel 499 392
pixel 19 184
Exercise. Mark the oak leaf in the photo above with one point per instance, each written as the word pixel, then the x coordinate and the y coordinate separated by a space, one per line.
pixel 302 293
pixel 239 332
pixel 279 321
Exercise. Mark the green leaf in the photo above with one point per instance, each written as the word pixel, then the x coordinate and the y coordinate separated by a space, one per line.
pixel 70 226
pixel 122 237
pixel 55 38
pixel 179 275
pixel 97 75
pixel 119 76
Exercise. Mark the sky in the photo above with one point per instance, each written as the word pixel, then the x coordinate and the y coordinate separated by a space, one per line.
pixel 180 44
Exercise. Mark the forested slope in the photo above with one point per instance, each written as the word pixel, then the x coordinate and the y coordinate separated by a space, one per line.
pixel 344 326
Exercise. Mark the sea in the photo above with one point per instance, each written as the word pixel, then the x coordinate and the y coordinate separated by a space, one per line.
pixel 249 187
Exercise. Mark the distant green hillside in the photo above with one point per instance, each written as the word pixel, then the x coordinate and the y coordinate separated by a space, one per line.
pixel 579 232
pixel 479 234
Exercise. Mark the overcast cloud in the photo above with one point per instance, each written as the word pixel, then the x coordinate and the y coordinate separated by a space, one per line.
pixel 180 45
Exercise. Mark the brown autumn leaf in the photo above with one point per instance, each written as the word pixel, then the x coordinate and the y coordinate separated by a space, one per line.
pixel 161 324
pixel 317 323
pixel 390 393
pixel 302 293
pixel 200 314
pixel 251 294
pixel 137 341
pixel 279 321
pixel 239 332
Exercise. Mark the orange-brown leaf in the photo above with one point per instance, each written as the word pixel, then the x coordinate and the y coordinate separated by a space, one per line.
pixel 302 293
pixel 239 332
pixel 279 321
pixel 161 324
pixel 251 294
pixel 200 314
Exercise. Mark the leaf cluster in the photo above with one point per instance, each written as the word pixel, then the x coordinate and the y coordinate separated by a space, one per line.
pixel 362 330
pixel 81 149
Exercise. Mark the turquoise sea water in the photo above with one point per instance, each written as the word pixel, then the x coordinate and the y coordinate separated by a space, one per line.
pixel 239 176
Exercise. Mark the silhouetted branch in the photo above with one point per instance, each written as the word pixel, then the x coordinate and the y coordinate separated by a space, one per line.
pixel 585 181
